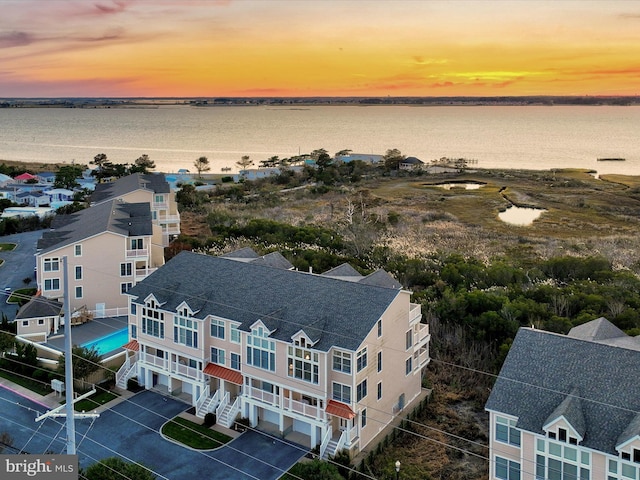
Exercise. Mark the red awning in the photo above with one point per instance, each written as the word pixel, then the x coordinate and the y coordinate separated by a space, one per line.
pixel 132 345
pixel 223 372
pixel 340 409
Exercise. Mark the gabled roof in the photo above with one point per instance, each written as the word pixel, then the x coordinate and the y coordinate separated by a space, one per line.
pixel 273 259
pixel 154 182
pixel 246 253
pixel 345 271
pixel 127 219
pixel 602 330
pixel 39 307
pixel 25 176
pixel 543 368
pixel 632 431
pixel 571 410
pixel 381 278
pixel 412 161
pixel 331 311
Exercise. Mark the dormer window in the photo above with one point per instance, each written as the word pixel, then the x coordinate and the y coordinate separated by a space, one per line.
pixel 636 455
pixel 562 434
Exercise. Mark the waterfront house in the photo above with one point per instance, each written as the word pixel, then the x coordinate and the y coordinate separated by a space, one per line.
pixel 333 358
pixel 152 188
pixel 567 406
pixel 33 198
pixel 411 163
pixel 109 247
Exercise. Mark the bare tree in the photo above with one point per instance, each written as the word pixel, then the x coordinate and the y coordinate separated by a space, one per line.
pixel 244 162
pixel 202 165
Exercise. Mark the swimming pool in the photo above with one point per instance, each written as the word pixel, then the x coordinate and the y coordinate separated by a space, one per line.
pixel 109 342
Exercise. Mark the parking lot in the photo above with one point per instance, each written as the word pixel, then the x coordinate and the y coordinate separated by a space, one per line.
pixel 130 430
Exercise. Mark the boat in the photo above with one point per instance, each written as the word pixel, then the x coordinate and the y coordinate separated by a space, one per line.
pixel 611 159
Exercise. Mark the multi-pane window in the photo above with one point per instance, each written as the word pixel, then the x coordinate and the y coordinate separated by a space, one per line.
pixel 159 199
pixel 235 361
pixel 361 390
pixel 261 352
pixel 303 364
pixel 185 331
pixel 379 328
pixel 134 331
pixel 507 469
pixel 217 355
pixel 379 390
pixel 507 432
pixel 234 333
pixel 408 366
pixel 363 418
pixel 622 470
pixel 341 393
pixel 126 269
pixel 408 339
pixel 51 264
pixel 152 320
pixel 124 287
pixel 78 272
pixel 361 359
pixel 380 361
pixel 78 292
pixel 342 362
pixel 557 461
pixel 77 250
pixel 217 328
pixel 52 284
pixel 137 244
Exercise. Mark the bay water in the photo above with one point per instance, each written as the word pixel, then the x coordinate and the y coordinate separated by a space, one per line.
pixel 526 137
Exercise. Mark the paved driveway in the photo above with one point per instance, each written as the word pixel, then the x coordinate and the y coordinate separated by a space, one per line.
pixel 18 265
pixel 130 429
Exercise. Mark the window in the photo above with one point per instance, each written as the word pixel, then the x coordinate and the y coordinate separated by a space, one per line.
pixel 559 461
pixel 408 366
pixel 126 269
pixel 507 469
pixel 185 331
pixel 235 361
pixel 217 355
pixel 134 331
pixel 25 323
pixel 636 455
pixel 363 418
pixel 78 272
pixel 51 264
pixel 41 321
pixel 341 393
pixel 78 292
pixel 302 364
pixel 361 359
pixel 408 339
pixel 235 333
pixel 507 432
pixel 77 250
pixel 134 309
pixel 124 287
pixel 261 350
pixel 137 244
pixel 379 328
pixel 379 390
pixel 217 328
pixel 361 390
pixel 152 320
pixel 159 199
pixel 380 361
pixel 342 362
pixel 562 434
pixel 52 284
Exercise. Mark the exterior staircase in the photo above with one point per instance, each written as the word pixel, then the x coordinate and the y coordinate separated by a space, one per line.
pixel 124 376
pixel 209 405
pixel 332 448
pixel 224 418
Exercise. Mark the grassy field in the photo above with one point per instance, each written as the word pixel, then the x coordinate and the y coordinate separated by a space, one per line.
pixel 194 435
pixel 7 247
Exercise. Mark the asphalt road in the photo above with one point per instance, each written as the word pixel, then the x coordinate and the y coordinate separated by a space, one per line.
pixel 130 430
pixel 18 265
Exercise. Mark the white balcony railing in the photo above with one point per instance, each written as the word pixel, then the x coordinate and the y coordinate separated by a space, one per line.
pixel 186 371
pixel 168 218
pixel 415 314
pixel 301 408
pixel 154 360
pixel 202 398
pixel 159 205
pixel 138 253
pixel 142 273
pixel 262 395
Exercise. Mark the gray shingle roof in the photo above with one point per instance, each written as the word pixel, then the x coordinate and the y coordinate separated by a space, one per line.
pixel 381 278
pixel 128 219
pixel 274 259
pixel 543 368
pixel 344 270
pixel 602 330
pixel 571 410
pixel 155 182
pixel 39 307
pixel 334 312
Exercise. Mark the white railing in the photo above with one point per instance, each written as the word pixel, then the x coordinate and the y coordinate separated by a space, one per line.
pixel 187 371
pixel 415 314
pixel 153 360
pixel 233 412
pixel 325 442
pixel 168 230
pixel 222 404
pixel 126 367
pixel 341 442
pixel 263 396
pixel 144 272
pixel 168 218
pixel 137 252
pixel 202 398
pixel 159 205
pixel 110 312
pixel 301 408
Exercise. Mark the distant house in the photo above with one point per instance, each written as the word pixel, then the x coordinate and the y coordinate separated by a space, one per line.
pixel 567 406
pixel 25 177
pixel 59 195
pixel 410 163
pixel 25 212
pixel 39 318
pixel 48 178
pixel 4 179
pixel 363 157
pixel 32 198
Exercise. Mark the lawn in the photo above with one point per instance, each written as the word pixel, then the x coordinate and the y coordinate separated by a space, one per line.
pixel 19 296
pixel 99 398
pixel 194 435
pixel 33 385
pixel 7 247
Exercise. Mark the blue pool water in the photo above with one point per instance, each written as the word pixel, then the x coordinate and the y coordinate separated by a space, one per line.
pixel 109 342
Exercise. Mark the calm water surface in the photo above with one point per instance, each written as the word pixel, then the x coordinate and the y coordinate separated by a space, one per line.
pixel 538 138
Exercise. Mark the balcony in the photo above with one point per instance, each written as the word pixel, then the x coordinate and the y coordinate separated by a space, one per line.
pixel 159 205
pixel 286 404
pixel 142 273
pixel 168 219
pixel 138 253
pixel 415 314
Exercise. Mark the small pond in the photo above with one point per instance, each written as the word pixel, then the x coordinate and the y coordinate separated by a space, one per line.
pixel 460 185
pixel 520 215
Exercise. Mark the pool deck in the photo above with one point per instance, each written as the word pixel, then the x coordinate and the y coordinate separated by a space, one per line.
pixel 87 332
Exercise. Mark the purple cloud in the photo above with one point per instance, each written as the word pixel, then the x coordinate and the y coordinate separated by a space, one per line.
pixel 15 39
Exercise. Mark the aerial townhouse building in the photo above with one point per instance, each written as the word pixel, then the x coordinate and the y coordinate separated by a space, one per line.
pixel 151 188
pixel 332 358
pixel 567 407
pixel 109 248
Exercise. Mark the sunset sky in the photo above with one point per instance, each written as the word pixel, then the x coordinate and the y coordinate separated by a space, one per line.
pixel 189 48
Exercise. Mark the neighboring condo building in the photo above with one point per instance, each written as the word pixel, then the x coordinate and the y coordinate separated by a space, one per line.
pixel 151 188
pixel 332 357
pixel 567 407
pixel 109 248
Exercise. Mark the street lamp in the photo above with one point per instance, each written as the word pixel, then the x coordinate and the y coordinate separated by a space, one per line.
pixel 397 469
